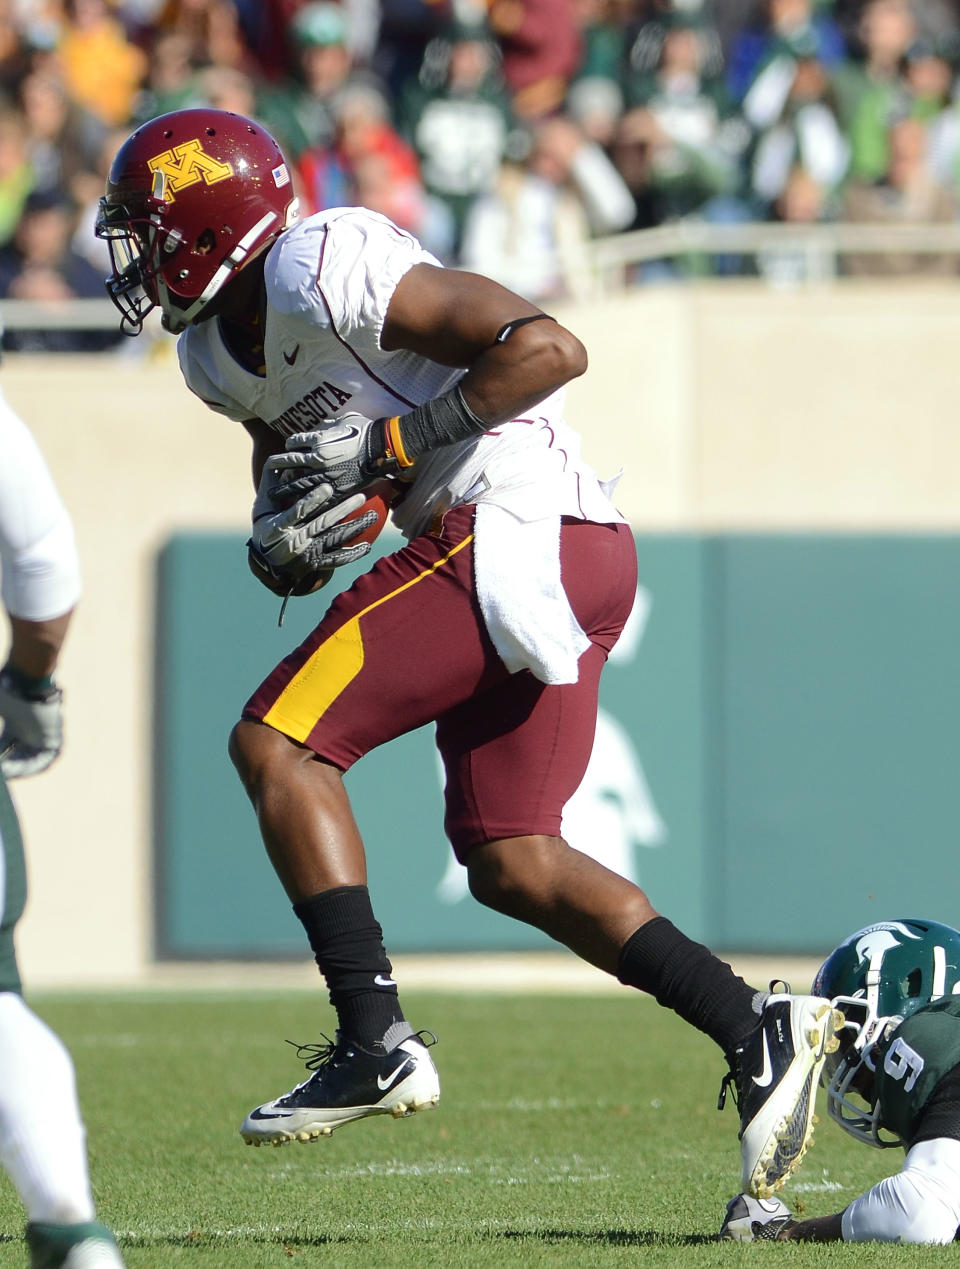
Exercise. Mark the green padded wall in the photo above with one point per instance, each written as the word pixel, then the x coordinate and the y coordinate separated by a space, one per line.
pixel 775 759
pixel 216 895
pixel 839 709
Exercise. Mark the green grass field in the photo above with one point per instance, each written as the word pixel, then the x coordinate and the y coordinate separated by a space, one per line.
pixel 571 1131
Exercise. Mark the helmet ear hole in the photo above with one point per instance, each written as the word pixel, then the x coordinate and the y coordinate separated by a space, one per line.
pixel 913 983
pixel 205 242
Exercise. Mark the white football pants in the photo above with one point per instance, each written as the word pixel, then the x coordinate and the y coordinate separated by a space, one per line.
pixel 42 1137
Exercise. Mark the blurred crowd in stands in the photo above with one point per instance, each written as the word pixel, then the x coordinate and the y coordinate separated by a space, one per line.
pixel 505 134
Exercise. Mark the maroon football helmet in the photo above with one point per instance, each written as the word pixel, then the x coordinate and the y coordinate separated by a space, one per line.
pixel 191 198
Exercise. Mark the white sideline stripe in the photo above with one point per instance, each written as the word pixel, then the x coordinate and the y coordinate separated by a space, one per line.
pixel 483 1166
pixel 518 973
pixel 144 1238
pixel 492 1171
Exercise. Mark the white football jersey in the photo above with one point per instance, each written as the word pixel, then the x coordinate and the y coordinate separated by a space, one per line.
pixel 39 569
pixel 329 281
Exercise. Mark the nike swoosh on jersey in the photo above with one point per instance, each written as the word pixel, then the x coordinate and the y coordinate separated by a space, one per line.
pixel 392 1078
pixel 265 1114
pixel 291 357
pixel 766 1075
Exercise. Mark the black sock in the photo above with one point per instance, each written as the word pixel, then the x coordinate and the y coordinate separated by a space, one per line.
pixel 686 977
pixel 347 942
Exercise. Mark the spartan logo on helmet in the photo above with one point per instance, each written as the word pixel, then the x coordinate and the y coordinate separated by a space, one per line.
pixel 875 941
pixel 877 977
pixel 184 165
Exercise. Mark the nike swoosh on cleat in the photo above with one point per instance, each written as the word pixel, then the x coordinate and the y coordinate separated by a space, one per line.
pixel 290 358
pixel 766 1075
pixel 259 1113
pixel 383 1085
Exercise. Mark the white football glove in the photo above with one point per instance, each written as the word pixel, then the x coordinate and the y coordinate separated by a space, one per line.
pixel 290 551
pixel 346 454
pixel 750 1220
pixel 32 734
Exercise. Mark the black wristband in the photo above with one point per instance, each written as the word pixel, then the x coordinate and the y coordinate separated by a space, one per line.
pixel 442 421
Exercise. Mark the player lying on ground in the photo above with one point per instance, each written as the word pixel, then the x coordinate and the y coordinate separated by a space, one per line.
pixel 349 354
pixel 893 1081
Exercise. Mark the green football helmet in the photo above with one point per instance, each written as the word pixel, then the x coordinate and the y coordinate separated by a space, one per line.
pixel 876 978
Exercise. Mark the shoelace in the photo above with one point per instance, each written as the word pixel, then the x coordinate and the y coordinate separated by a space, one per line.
pixel 315 1056
pixel 730 1082
pixel 318 1056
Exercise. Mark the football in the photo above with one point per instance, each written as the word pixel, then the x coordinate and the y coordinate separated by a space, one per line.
pixel 380 496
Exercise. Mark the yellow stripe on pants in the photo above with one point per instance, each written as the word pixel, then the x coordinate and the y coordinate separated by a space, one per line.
pixel 334 665
pixel 318 683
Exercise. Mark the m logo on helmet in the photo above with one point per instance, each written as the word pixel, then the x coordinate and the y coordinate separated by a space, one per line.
pixel 184 165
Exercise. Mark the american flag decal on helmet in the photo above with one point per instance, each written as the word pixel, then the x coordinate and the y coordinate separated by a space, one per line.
pixel 281 176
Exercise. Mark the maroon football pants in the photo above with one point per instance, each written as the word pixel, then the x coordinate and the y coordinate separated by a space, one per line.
pixel 406 645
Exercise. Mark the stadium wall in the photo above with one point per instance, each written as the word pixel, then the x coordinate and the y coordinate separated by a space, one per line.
pixel 791 460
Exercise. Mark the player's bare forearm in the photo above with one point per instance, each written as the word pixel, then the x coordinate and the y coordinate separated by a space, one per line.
pixel 35 645
pixel 819 1229
pixel 509 378
pixel 453 317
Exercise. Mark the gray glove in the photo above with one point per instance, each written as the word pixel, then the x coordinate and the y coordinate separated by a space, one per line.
pixel 292 551
pixel 346 455
pixel 32 734
pixel 751 1219
pixel 278 491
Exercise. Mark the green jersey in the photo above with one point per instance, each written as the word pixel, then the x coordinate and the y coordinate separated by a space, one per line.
pixel 13 888
pixel 918 1054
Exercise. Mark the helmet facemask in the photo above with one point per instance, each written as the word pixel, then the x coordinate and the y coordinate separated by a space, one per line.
pixel 137 243
pixel 877 977
pixel 848 1073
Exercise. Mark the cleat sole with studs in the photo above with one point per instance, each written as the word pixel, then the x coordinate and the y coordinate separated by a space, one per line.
pixel 786 1154
pixel 402 1110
